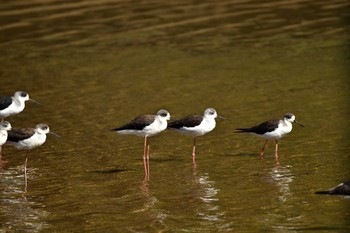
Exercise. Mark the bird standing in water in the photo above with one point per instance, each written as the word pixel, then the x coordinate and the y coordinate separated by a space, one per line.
pixel 27 139
pixel 195 125
pixel 272 130
pixel 146 126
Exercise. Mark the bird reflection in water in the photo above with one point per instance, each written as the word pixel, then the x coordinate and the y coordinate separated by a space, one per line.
pixel 282 177
pixel 19 213
pixel 150 206
pixel 207 194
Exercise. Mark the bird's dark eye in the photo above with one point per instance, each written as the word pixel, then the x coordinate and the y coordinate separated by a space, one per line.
pixel 44 128
pixel 23 94
pixel 163 114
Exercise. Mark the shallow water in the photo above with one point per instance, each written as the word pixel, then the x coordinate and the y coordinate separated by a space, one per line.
pixel 95 65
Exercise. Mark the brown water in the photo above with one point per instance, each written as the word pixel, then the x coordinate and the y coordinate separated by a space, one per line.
pixel 95 65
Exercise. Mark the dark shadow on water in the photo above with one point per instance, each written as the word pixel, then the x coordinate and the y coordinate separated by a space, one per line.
pixel 110 170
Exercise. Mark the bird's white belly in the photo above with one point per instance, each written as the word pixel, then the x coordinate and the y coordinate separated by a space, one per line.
pixel 155 128
pixel 32 142
pixel 199 130
pixel 278 133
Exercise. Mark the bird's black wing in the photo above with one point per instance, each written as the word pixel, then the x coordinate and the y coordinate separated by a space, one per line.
pixel 16 135
pixel 139 123
pixel 5 101
pixel 264 127
pixel 188 121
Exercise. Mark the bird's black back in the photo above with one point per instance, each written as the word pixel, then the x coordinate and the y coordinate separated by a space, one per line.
pixel 5 101
pixel 16 135
pixel 139 123
pixel 188 121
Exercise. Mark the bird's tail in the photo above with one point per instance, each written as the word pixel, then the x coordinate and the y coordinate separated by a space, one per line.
pixel 242 130
pixel 323 192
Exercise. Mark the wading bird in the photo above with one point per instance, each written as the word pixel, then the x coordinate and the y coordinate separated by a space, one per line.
pixel 27 139
pixel 146 126
pixel 195 125
pixel 272 130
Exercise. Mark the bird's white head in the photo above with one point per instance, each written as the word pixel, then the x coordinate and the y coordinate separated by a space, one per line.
pixel 164 114
pixel 5 125
pixel 42 129
pixel 21 96
pixel 210 113
pixel 290 117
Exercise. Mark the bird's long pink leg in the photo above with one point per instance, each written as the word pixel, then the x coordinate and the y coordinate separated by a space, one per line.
pixel 145 157
pixel 276 151
pixel 148 170
pixel 25 173
pixel 263 149
pixel 194 150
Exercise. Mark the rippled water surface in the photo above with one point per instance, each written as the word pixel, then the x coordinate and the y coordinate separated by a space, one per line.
pixel 94 65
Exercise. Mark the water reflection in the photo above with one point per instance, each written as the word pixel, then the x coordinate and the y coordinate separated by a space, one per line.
pixel 282 177
pixel 208 195
pixel 151 207
pixel 19 213
pixel 281 215
pixel 200 200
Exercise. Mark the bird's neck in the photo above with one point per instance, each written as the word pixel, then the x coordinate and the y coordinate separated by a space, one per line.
pixel 3 132
pixel 160 120
pixel 40 133
pixel 209 119
pixel 18 102
pixel 210 122
pixel 287 123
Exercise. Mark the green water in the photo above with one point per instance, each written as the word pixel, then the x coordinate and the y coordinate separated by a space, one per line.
pixel 95 65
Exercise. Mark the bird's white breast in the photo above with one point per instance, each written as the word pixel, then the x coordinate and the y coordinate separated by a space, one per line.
pixel 3 137
pixel 156 127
